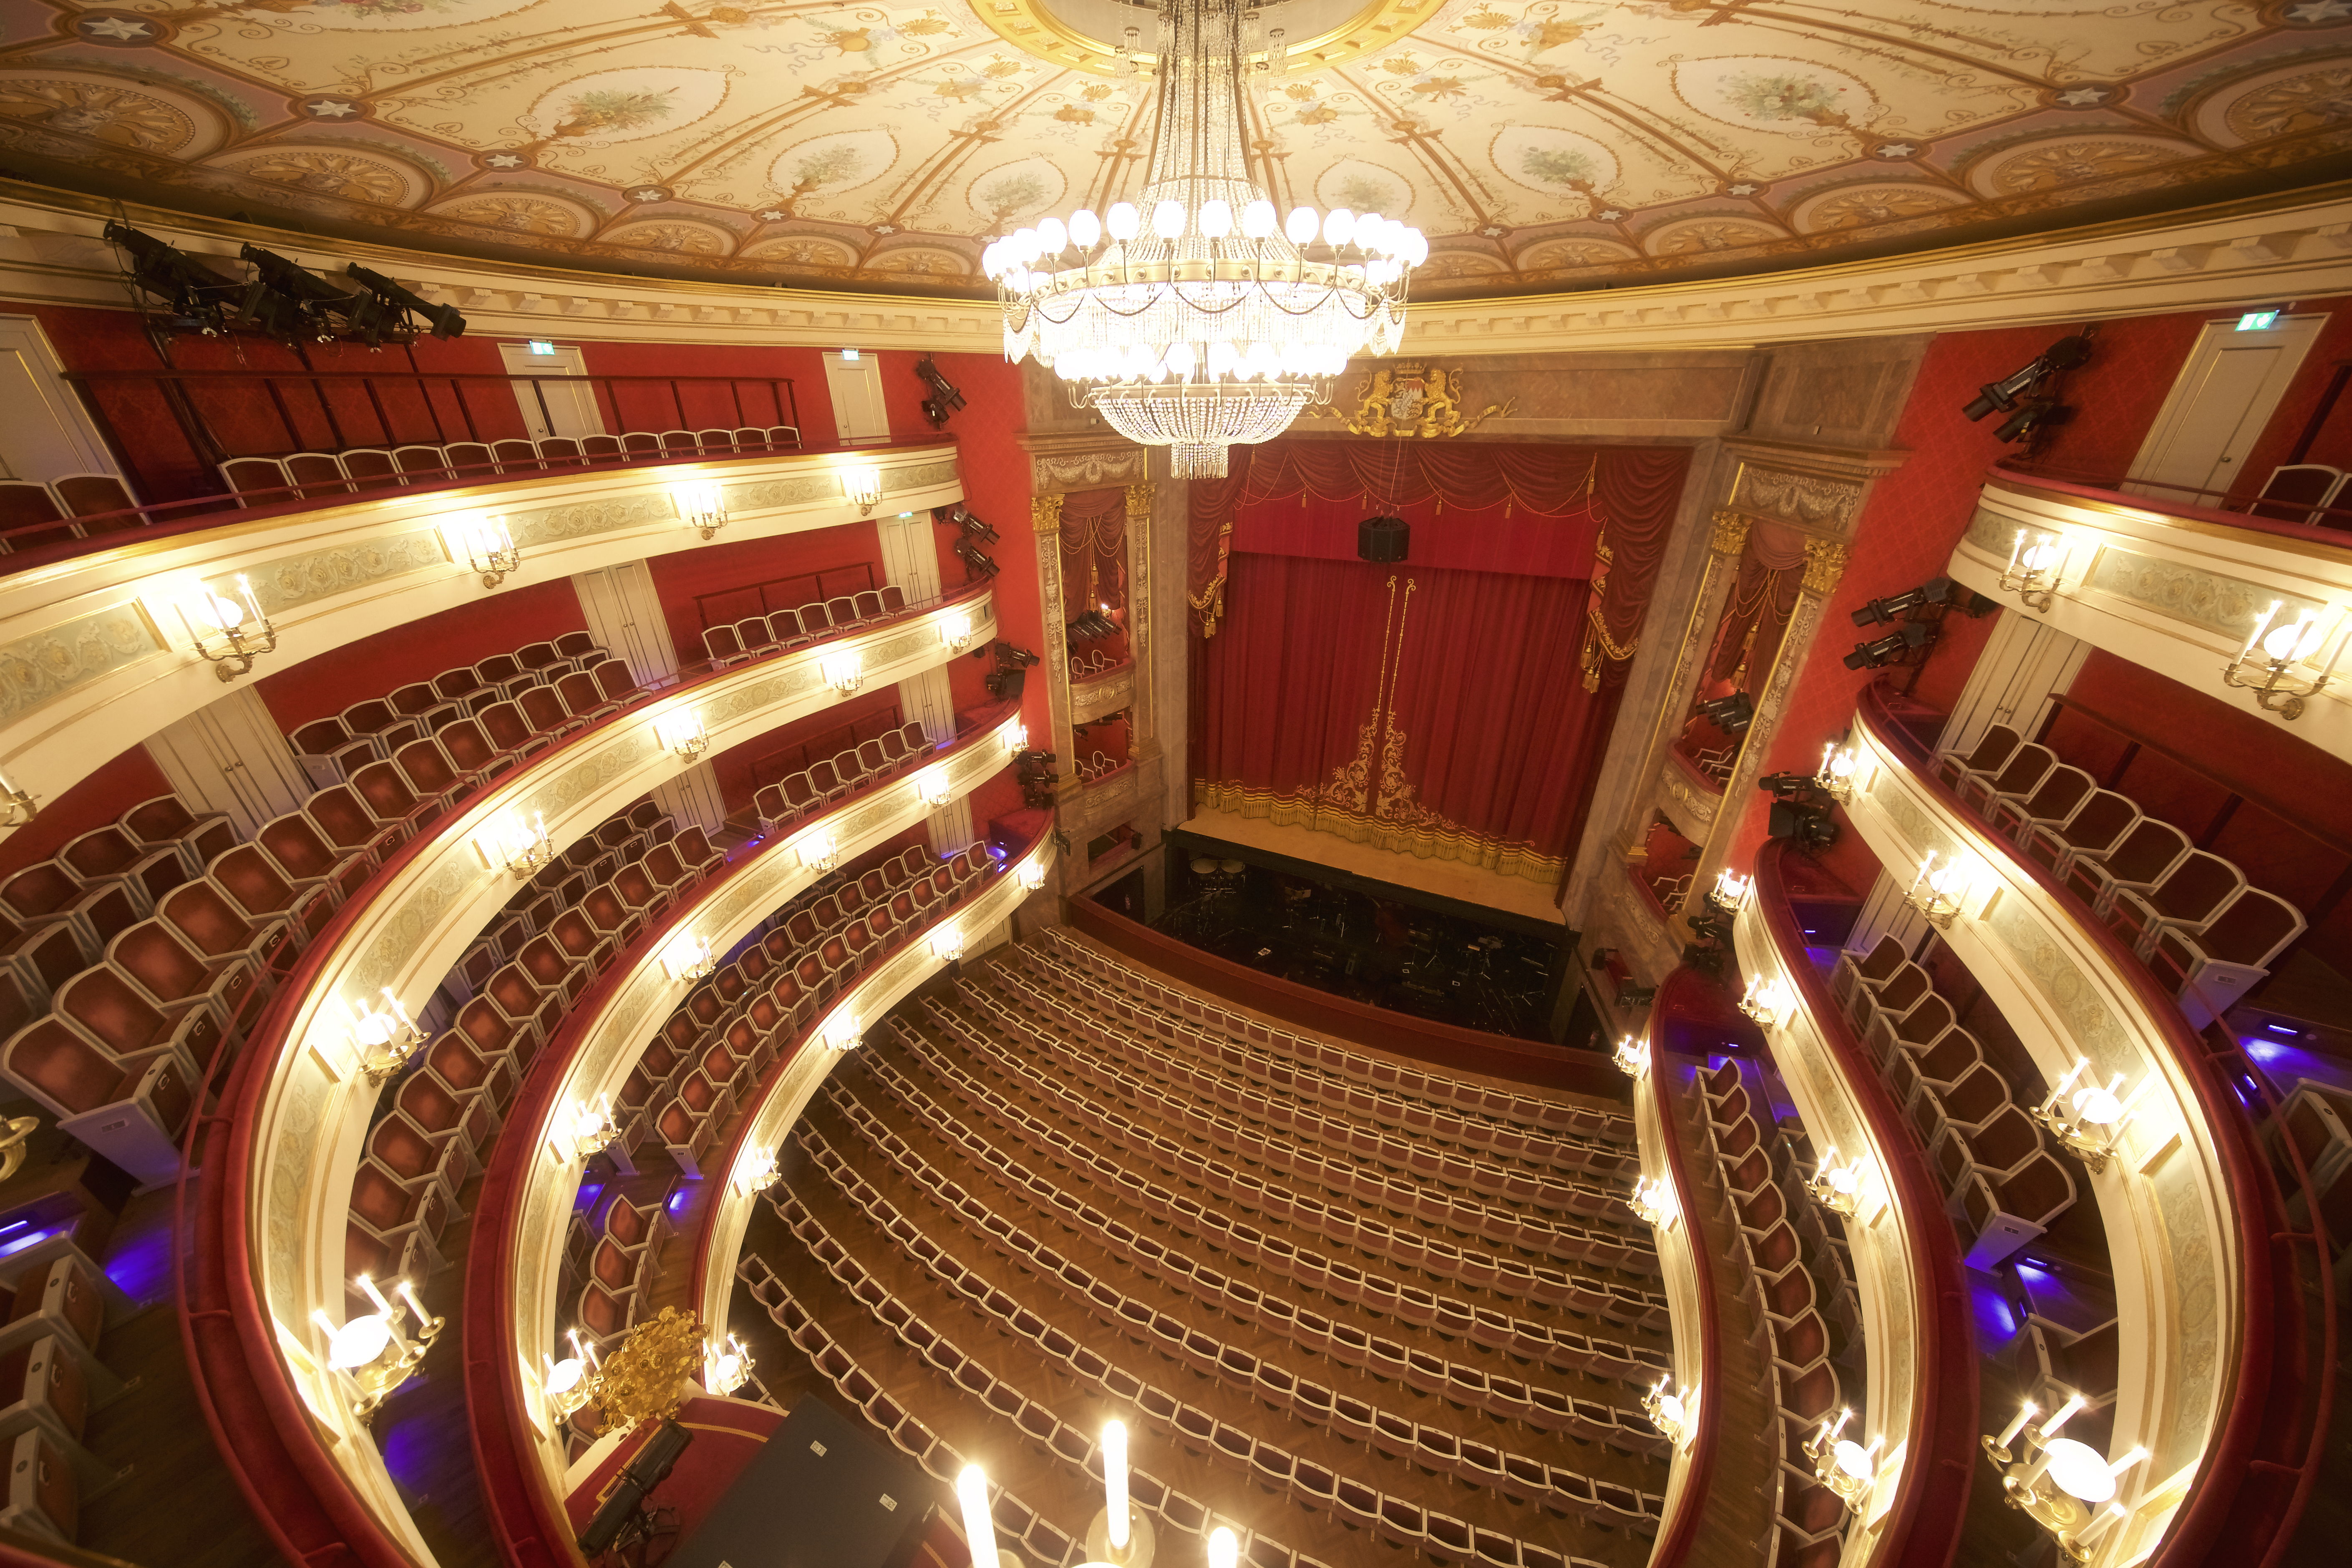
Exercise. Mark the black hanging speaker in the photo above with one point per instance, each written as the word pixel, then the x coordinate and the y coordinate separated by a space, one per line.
pixel 1382 538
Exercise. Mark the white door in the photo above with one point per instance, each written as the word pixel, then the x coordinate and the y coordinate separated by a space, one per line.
pixel 231 756
pixel 2222 399
pixel 48 434
pixel 554 408
pixel 856 388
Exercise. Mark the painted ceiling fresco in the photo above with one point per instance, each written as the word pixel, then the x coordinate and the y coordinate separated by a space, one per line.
pixel 1551 143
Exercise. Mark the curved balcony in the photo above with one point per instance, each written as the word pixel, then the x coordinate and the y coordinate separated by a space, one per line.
pixel 1093 696
pixel 2187 1207
pixel 1921 1377
pixel 94 646
pixel 528 1190
pixel 2177 588
pixel 281 1154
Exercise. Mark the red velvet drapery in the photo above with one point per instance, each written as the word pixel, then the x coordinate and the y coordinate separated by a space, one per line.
pixel 1491 506
pixel 1093 549
pixel 1430 711
pixel 1763 598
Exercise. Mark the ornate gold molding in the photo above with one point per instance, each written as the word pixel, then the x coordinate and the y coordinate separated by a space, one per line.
pixel 1730 532
pixel 1045 513
pixel 1034 29
pixel 1139 498
pixel 1824 566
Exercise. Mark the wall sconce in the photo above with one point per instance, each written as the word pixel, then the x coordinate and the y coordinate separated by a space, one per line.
pixel 1837 1188
pixel 755 1178
pixel 956 632
pixel 228 635
pixel 484 544
pixel 1847 1469
pixel 2032 571
pixel 574 1381
pixel 589 1127
pixel 844 672
pixel 1016 739
pixel 683 734
pixel 701 507
pixel 1633 1058
pixel 2059 1483
pixel 2281 649
pixel 1937 893
pixel 1731 890
pixel 1033 875
pixel 373 1350
pixel 1671 1414
pixel 1766 1001
pixel 1836 777
pixel 934 787
pixel 979 1525
pixel 384 1041
pixel 726 1368
pixel 862 483
pixel 690 959
pixel 2088 1125
pixel 520 851
pixel 17 807
pixel 843 1030
pixel 1654 1202
pixel 818 851
pixel 947 944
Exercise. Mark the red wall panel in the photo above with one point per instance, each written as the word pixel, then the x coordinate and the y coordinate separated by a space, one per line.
pixel 100 797
pixel 711 578
pixel 711 403
pixel 2334 445
pixel 499 622
pixel 789 748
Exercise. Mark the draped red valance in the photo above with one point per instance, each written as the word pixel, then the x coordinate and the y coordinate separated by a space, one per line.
pixel 1762 600
pixel 1093 539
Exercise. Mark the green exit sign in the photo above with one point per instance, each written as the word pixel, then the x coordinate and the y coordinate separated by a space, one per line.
pixel 2258 320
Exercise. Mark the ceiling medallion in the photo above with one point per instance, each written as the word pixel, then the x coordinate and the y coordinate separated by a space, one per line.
pixel 1302 36
pixel 1205 325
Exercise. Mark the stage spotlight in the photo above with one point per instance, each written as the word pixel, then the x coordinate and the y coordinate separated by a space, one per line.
pixel 944 399
pixel 1787 783
pixel 977 561
pixel 1730 714
pixel 1011 672
pixel 1904 639
pixel 1809 825
pixel 2005 394
pixel 197 295
pixel 971 523
pixel 623 1519
pixel 286 299
pixel 398 303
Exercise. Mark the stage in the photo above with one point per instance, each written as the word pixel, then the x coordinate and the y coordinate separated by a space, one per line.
pixel 1447 880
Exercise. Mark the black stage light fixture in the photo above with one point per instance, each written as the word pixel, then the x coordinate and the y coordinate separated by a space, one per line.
pixel 944 399
pixel 1904 639
pixel 976 560
pixel 286 299
pixel 1011 672
pixel 1383 539
pixel 2005 394
pixel 971 523
pixel 1787 783
pixel 1730 714
pixel 1809 825
pixel 444 320
pixel 198 295
pixel 623 1506
pixel 1938 593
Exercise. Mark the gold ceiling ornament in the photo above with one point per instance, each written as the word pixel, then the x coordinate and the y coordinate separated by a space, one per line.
pixel 651 1374
pixel 1414 400
pixel 1033 28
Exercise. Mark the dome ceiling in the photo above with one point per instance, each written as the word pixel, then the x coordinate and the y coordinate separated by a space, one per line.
pixel 1540 145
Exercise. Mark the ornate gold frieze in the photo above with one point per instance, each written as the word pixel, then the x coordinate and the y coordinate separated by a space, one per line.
pixel 1045 513
pixel 1811 501
pixel 1730 532
pixel 1824 566
pixel 1413 400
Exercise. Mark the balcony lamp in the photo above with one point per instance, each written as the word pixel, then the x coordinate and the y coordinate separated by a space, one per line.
pixel 2033 570
pixel 1767 1001
pixel 1837 1188
pixel 682 734
pixel 1653 1202
pixel 1671 1413
pixel 726 1367
pixel 17 807
pixel 843 1030
pixel 947 944
pixel 590 1128
pixel 1033 875
pixel 934 787
pixel 818 851
pixel 955 631
pixel 1937 892
pixel 701 507
pixel 691 958
pixel 2059 1483
pixel 1836 777
pixel 758 1176
pixel 485 545
pixel 844 672
pixel 862 484
pixel 2089 1122
pixel 228 635
pixel 573 1382
pixel 373 1350
pixel 1731 890
pixel 2263 664
pixel 384 1041
pixel 1633 1058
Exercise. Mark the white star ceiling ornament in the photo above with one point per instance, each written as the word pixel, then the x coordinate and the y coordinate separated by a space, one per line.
pixel 503 161
pixel 2085 97
pixel 2321 11
pixel 330 108
pixel 120 28
pixel 1894 149
pixel 1494 231
pixel 771 214
pixel 1744 190
pixel 649 194
pixel 1609 215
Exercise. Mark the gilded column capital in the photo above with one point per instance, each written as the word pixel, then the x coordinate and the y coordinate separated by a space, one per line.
pixel 1139 498
pixel 1730 532
pixel 1045 513
pixel 1824 566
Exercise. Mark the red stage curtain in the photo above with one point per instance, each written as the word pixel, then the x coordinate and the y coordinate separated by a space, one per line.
pixel 1763 598
pixel 1093 549
pixel 1433 712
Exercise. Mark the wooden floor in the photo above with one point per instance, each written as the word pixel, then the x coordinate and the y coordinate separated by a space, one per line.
pixel 1446 878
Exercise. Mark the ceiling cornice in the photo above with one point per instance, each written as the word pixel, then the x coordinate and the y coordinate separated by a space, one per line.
pixel 2254 252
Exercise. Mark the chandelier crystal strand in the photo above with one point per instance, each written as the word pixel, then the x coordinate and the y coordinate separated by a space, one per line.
pixel 1193 318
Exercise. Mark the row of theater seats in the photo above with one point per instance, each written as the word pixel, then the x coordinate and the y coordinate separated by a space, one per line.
pixel 818 785
pixel 2002 1185
pixel 1781 1285
pixel 2191 915
pixel 1298 1217
pixel 563 883
pixel 319 476
pixel 781 630
pixel 1448 1318
pixel 1455 1110
pixel 1038 1540
pixel 382 725
pixel 27 504
pixel 53 1317
pixel 456 755
pixel 1274 1468
pixel 1085 1040
pixel 1100 766
pixel 1611 1244
pixel 1086 666
pixel 422 1151
pixel 1284 1389
pixel 615 1247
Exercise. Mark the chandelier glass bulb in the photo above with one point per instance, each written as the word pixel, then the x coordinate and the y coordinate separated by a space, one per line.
pixel 1210 326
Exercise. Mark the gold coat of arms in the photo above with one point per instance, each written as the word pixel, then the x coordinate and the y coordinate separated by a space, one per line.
pixel 1414 400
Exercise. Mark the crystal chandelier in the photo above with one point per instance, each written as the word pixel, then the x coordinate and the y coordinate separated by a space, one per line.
pixel 1194 319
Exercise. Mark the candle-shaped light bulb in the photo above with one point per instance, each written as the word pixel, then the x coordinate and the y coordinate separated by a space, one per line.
pixel 2025 1412
pixel 1114 1461
pixel 1832 1429
pixel 979 1528
pixel 2102 1526
pixel 2066 1413
pixel 1927 864
pixel 398 1011
pixel 1224 1550
pixel 2016 548
pixel 2260 627
pixel 252 608
pixel 2067 1082
pixel 2125 1463
pixel 407 1293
